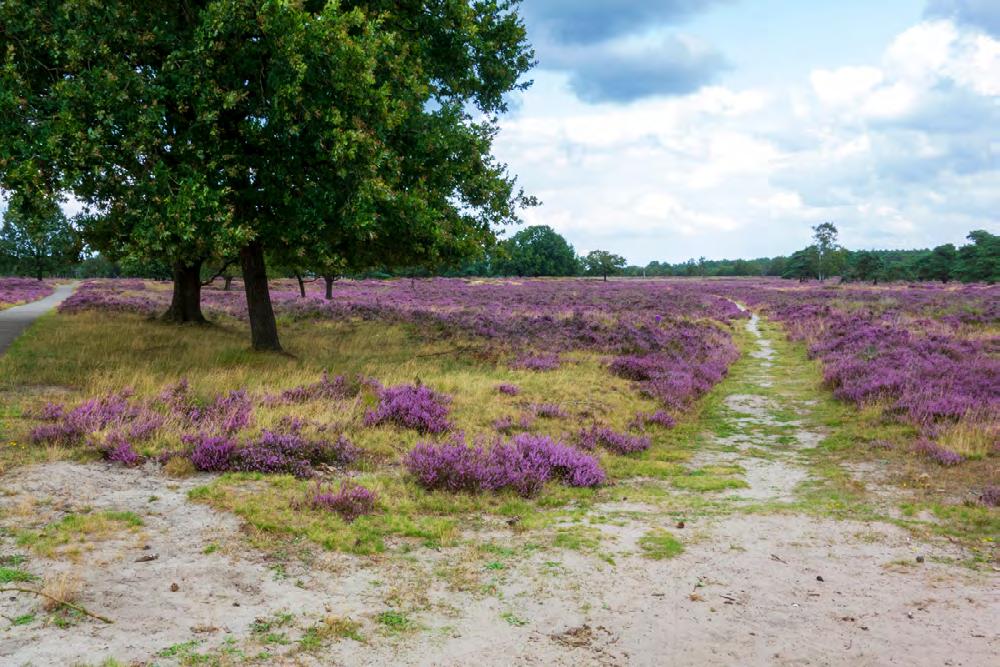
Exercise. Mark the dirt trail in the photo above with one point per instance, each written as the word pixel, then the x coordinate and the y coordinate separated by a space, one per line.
pixel 749 588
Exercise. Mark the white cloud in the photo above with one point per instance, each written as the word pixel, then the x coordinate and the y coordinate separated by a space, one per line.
pixel 899 153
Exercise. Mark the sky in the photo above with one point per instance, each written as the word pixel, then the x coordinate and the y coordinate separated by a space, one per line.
pixel 670 129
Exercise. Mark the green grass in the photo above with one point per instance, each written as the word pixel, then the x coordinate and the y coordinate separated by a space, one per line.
pixel 10 575
pixel 395 621
pixel 659 545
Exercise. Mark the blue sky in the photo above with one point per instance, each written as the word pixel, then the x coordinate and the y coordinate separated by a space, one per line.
pixel 668 129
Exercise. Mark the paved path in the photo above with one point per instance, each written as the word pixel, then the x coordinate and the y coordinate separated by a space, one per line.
pixel 13 321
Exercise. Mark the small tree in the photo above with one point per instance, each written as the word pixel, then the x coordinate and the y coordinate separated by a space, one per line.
pixel 36 236
pixel 539 251
pixel 802 265
pixel 603 263
pixel 825 237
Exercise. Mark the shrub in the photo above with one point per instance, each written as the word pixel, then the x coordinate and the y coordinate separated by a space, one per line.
pixel 509 389
pixel 619 443
pixel 524 464
pixel 411 406
pixel 937 453
pixel 990 497
pixel 350 501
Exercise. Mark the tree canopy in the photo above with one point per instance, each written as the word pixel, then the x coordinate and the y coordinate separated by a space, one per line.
pixel 603 263
pixel 36 238
pixel 538 251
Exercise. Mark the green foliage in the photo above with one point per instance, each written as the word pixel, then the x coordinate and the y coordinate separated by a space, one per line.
pixel 538 251
pixel 36 238
pixel 867 265
pixel 980 260
pixel 938 264
pixel 603 263
pixel 803 264
pixel 659 545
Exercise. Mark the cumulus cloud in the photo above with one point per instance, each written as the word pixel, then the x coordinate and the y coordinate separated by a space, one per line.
pixel 615 51
pixel 983 14
pixel 632 68
pixel 588 21
pixel 898 152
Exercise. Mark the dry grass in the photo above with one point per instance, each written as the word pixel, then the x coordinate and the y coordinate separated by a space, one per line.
pixel 95 354
pixel 972 439
pixel 65 587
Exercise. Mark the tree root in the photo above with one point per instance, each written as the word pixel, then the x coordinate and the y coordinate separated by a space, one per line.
pixel 61 602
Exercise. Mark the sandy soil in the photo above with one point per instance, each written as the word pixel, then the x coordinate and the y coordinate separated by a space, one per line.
pixel 749 589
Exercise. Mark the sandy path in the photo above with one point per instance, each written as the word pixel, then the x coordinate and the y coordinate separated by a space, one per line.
pixel 749 589
pixel 13 321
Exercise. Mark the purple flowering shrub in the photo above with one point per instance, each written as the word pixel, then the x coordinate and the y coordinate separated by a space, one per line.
pixel 14 291
pixel 413 407
pixel 508 389
pixel 350 501
pixel 603 436
pixel 210 431
pixel 522 464
pixel 937 453
pixel 990 497
pixel 658 418
pixel 335 389
pixel 70 427
pixel 549 411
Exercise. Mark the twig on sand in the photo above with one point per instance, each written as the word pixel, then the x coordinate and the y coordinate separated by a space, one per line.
pixel 59 601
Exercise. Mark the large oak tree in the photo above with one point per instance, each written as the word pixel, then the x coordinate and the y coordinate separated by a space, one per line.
pixel 202 129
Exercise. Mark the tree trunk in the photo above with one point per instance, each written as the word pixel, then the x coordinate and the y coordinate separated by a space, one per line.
pixel 229 283
pixel 302 286
pixel 605 277
pixel 263 328
pixel 329 286
pixel 186 303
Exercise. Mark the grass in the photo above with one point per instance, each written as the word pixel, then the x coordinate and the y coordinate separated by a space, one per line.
pixel 73 532
pixel 659 545
pixel 395 621
pixel 98 354
pixel 9 575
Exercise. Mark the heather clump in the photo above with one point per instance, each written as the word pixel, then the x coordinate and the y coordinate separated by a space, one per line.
pixel 937 453
pixel 658 418
pixel 412 407
pixel 990 497
pixel 71 426
pixel 549 411
pixel 350 501
pixel 522 464
pixel 604 436
pixel 508 389
pixel 270 452
pixel 327 388
pixel 119 450
pixel 537 362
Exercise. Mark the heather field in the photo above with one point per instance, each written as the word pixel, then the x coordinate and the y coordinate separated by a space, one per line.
pixel 15 291
pixel 553 471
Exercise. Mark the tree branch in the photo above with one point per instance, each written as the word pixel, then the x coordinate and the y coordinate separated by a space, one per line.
pixel 61 602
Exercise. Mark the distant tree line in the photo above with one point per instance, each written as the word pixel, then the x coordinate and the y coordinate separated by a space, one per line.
pixel 36 240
